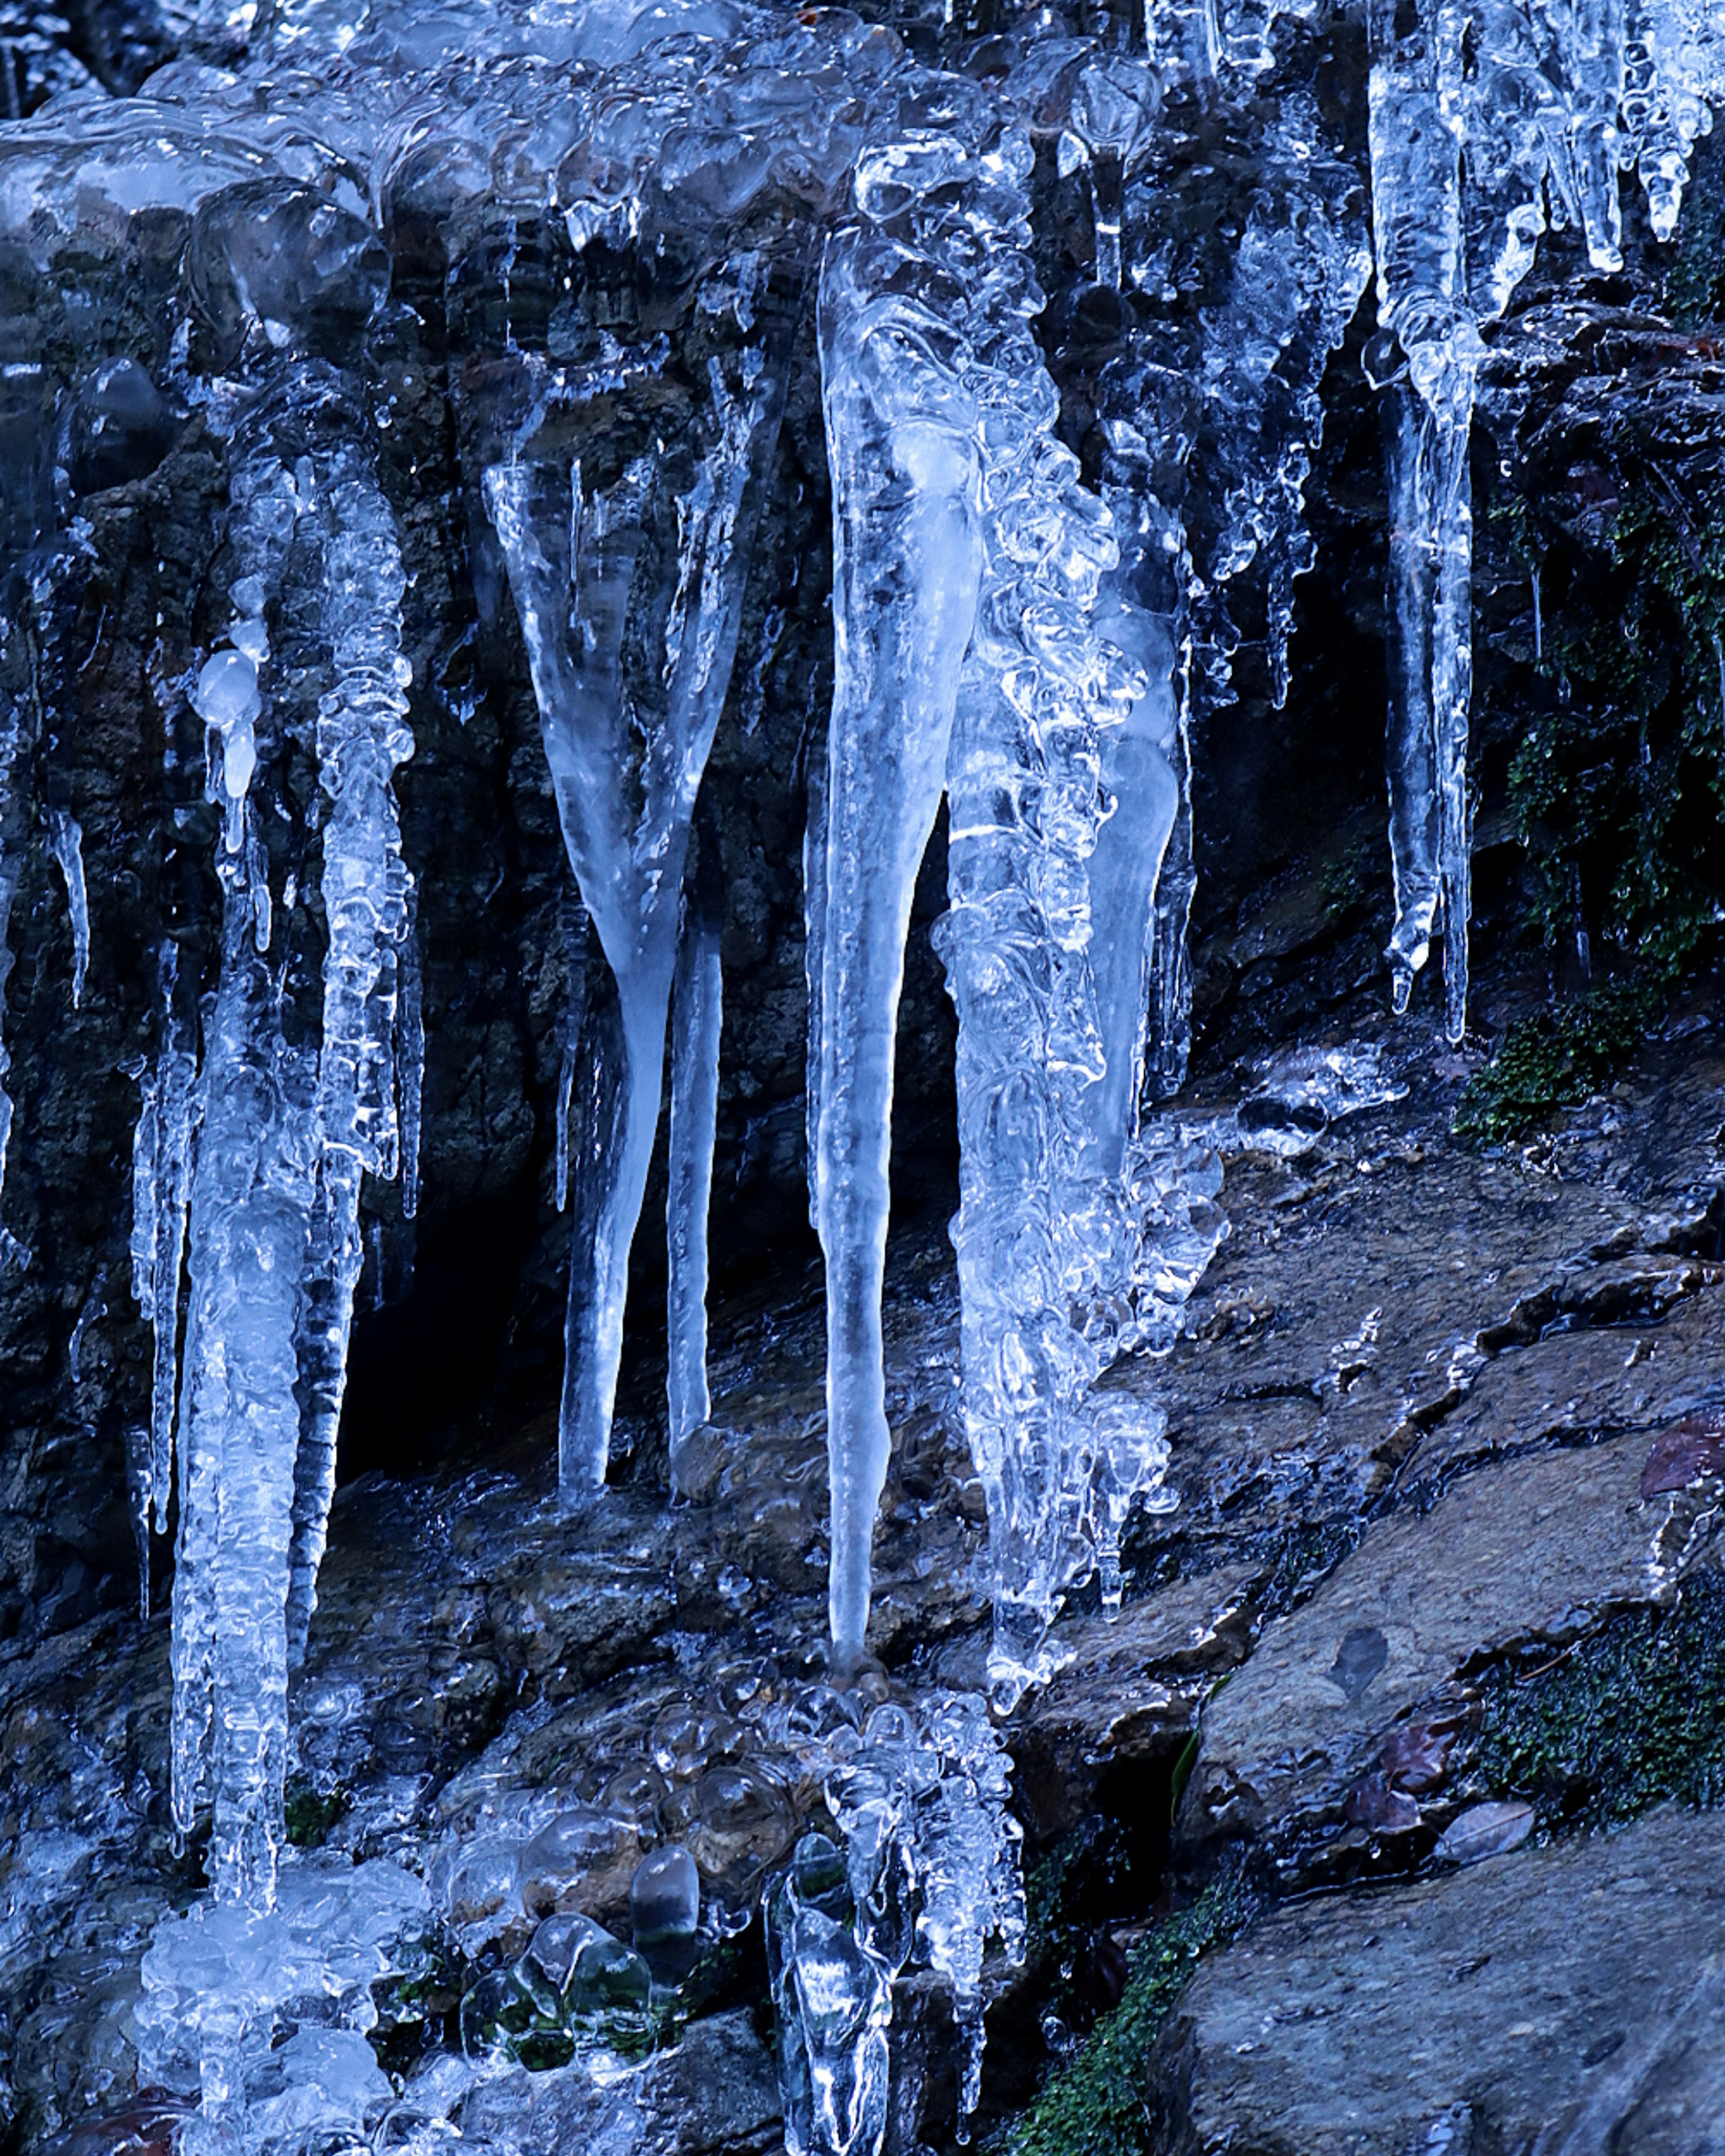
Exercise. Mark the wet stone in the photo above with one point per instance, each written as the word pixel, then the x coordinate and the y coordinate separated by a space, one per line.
pixel 1529 1552
pixel 1562 1997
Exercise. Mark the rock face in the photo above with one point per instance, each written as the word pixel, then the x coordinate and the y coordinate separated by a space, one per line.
pixel 1565 1997
pixel 1366 1653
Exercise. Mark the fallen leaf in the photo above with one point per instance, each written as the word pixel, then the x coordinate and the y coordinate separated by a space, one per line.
pixel 1485 1831
pixel 1374 1805
pixel 1415 1756
pixel 1686 1452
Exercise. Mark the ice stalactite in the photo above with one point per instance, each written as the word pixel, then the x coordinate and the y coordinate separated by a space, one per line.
pixel 65 840
pixel 252 1196
pixel 11 739
pixel 1068 677
pixel 596 561
pixel 161 1174
pixel 697 1016
pixel 902 421
pixel 1428 329
pixel 1483 125
pixel 362 737
pixel 286 1130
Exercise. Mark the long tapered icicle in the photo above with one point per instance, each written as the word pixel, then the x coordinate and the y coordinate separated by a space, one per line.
pixel 907 557
pixel 161 1173
pixel 697 1016
pixel 362 737
pixel 252 1202
pixel 588 564
pixel 1416 129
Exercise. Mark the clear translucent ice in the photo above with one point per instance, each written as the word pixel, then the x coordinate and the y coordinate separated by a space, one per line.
pixel 626 770
pixel 906 561
pixel 697 1014
pixel 1003 633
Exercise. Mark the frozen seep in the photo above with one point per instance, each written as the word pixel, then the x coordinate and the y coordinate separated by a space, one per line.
pixel 929 1873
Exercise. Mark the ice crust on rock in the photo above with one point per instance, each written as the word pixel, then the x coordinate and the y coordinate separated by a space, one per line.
pixel 928 1874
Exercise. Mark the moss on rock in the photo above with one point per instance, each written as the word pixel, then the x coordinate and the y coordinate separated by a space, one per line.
pixel 1632 1717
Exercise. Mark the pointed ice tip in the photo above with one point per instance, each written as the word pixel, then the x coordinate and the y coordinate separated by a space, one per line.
pixel 1401 986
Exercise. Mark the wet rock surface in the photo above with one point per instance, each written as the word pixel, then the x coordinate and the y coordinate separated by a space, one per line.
pixel 1565 1997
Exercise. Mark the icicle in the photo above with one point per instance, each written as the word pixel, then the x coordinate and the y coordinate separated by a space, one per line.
pixel 362 737
pixel 1113 110
pixel 626 759
pixel 1415 131
pixel 834 2002
pixel 1430 664
pixel 65 840
pixel 410 1056
pixel 929 1873
pixel 696 1020
pixel 161 1173
pixel 11 734
pixel 252 1200
pixel 900 427
pixel 576 923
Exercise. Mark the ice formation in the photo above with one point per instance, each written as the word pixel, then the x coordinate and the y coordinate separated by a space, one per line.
pixel 928 1874
pixel 638 213
pixel 697 1014
pixel 596 546
pixel 1485 126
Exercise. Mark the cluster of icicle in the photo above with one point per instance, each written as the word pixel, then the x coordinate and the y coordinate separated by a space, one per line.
pixel 985 673
pixel 1488 124
pixel 929 1872
pixel 247 1165
pixel 1004 636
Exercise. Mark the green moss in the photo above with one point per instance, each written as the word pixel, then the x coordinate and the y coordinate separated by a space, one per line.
pixel 309 1816
pixel 1696 287
pixel 1094 2104
pixel 1616 788
pixel 1560 1056
pixel 1633 1717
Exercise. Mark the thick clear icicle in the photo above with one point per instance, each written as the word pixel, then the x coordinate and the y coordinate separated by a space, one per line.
pixel 901 423
pixel 252 1196
pixel 697 1016
pixel 1416 129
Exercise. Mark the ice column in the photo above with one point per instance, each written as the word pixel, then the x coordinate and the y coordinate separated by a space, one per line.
pixel 583 557
pixel 900 428
pixel 1039 1228
pixel 252 1196
pixel 1416 136
pixel 286 1134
